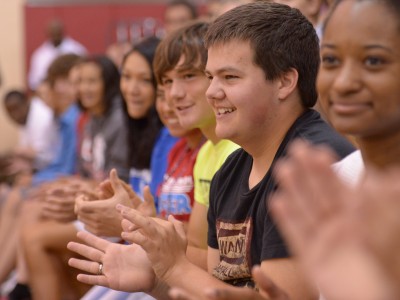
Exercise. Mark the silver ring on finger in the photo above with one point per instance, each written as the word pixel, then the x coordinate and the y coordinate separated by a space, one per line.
pixel 100 270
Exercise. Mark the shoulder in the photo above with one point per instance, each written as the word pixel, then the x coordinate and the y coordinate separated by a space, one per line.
pixel 224 148
pixel 39 114
pixel 71 45
pixel 311 127
pixel 37 106
pixel 164 141
pixel 217 153
pixel 71 116
pixel 235 163
pixel 116 112
pixel 42 50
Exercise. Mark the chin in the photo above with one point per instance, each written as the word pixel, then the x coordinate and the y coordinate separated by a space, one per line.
pixel 136 115
pixel 223 134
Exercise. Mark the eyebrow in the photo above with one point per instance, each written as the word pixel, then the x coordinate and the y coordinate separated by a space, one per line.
pixel 223 70
pixel 373 46
pixel 368 47
pixel 187 69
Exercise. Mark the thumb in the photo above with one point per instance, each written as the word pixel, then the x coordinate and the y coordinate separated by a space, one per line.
pixel 148 197
pixel 79 203
pixel 104 189
pixel 115 182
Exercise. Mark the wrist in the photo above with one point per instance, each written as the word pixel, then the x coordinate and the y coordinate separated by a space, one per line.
pixel 160 290
pixel 177 271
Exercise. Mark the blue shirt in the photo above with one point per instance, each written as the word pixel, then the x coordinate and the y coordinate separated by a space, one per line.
pixel 159 159
pixel 66 158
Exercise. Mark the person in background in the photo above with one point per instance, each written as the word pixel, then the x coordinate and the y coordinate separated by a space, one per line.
pixel 138 89
pixel 309 8
pixel 103 147
pixel 38 138
pixel 61 76
pixel 57 43
pixel 215 8
pixel 178 13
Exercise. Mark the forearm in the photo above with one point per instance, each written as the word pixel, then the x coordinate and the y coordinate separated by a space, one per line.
pixel 191 278
pixel 287 275
pixel 197 256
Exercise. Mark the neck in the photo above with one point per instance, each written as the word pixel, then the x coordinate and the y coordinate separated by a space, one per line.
pixel 381 152
pixel 97 111
pixel 209 133
pixel 263 155
pixel 194 138
pixel 263 148
pixel 64 106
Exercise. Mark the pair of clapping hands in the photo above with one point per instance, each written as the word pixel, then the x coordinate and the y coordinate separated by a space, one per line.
pixel 99 213
pixel 57 198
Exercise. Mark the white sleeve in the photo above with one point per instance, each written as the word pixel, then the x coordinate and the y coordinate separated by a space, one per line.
pixel 41 131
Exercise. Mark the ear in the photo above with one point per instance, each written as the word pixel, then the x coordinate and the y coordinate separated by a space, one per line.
pixel 287 84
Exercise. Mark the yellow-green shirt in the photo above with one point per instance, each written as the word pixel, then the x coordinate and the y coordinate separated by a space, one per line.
pixel 209 159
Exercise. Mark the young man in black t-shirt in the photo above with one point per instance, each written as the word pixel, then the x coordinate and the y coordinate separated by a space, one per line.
pixel 262 89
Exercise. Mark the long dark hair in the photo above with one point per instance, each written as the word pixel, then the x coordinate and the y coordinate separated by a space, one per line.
pixel 142 133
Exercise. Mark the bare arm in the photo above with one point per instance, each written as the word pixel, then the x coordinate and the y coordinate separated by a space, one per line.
pixel 173 267
pixel 197 236
pixel 286 274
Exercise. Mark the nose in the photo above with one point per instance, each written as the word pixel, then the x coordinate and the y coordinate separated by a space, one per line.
pixel 133 87
pixel 214 91
pixel 348 79
pixel 176 92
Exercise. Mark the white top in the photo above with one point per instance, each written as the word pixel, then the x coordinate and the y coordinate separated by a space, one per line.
pixel 43 56
pixel 350 169
pixel 40 133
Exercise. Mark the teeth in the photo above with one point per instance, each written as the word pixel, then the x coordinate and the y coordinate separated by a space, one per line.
pixel 222 111
pixel 173 121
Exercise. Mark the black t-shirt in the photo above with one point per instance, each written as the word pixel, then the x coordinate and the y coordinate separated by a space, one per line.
pixel 239 224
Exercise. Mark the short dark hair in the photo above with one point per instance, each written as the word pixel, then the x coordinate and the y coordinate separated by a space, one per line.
pixel 61 66
pixel 187 41
pixel 189 5
pixel 15 94
pixel 110 77
pixel 281 37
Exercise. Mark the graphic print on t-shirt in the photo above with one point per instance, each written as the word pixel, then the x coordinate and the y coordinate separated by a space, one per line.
pixel 234 240
pixel 174 196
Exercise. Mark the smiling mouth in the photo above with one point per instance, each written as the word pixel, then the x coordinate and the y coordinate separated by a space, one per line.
pixel 350 108
pixel 181 108
pixel 172 121
pixel 136 103
pixel 225 111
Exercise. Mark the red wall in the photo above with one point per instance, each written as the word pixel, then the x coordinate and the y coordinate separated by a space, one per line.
pixel 92 25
